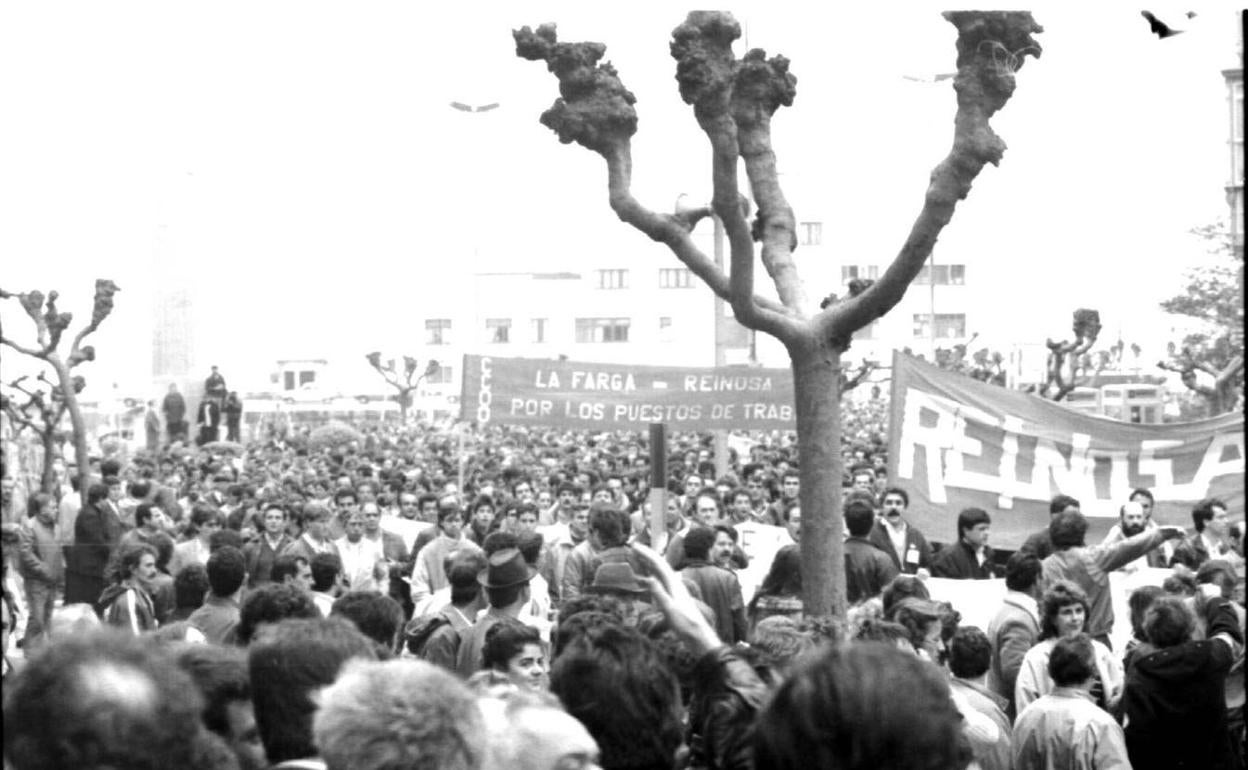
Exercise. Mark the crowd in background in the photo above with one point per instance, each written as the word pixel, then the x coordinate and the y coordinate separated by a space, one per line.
pixel 411 598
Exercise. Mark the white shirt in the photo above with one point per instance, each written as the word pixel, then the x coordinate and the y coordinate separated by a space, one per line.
pixel 897 536
pixel 359 562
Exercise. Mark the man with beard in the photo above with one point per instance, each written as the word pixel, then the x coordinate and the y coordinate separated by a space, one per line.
pixel 1132 520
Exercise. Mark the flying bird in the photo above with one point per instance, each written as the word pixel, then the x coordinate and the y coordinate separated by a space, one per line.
pixel 474 107
pixel 1160 28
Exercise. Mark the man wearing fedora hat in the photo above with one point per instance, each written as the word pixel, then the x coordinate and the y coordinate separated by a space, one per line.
pixel 506 583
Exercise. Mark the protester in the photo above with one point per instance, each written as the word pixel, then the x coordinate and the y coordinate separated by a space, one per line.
pixel 1039 543
pixel 1064 611
pixel 867 568
pixel 288 664
pixel 717 586
pixel 1089 568
pixel 1064 728
pixel 516 650
pixel 126 604
pixel 1015 628
pixel 218 617
pixel 901 541
pixel 41 564
pixel 970 654
pixel 781 591
pixel 105 699
pixel 970 558
pixel 97 530
pixel 1176 687
pixel 506 583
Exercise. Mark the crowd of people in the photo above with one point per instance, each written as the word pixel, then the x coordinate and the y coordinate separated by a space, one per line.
pixel 394 603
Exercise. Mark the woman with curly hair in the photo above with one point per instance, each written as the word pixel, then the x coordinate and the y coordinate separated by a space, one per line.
pixel 1064 610
pixel 515 650
pixel 127 603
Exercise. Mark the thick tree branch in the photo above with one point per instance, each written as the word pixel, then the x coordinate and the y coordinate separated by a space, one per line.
pixel 762 86
pixel 705 70
pixel 991 47
pixel 101 307
pixel 596 111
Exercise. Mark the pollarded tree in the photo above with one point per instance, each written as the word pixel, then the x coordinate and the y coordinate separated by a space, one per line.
pixel 1068 360
pixel 733 101
pixel 405 383
pixel 39 410
pixel 50 325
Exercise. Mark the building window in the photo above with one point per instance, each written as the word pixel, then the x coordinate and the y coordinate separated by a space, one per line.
pixel 498 330
pixel 675 278
pixel 612 279
pixel 602 329
pixel 948 325
pixel 288 380
pixel 306 378
pixel 537 329
pixel 946 275
pixel 438 331
pixel 665 329
pixel 850 272
pixel 810 233
pixel 445 375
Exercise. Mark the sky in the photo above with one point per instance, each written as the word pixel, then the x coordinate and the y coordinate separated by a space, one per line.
pixel 298 163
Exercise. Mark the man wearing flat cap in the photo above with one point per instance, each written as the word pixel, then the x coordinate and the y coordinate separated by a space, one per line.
pixel 619 580
pixel 506 583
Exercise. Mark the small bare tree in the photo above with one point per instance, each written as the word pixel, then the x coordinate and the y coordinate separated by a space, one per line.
pixel 31 407
pixel 733 101
pixel 1068 359
pixel 50 325
pixel 405 382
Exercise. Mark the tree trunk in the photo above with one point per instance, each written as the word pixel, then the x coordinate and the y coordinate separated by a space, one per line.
pixel 816 385
pixel 47 481
pixel 82 455
pixel 405 397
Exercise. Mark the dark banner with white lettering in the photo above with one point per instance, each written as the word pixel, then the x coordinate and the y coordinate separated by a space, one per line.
pixel 955 443
pixel 565 394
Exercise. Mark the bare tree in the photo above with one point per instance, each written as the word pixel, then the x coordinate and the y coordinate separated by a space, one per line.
pixel 50 325
pixel 1188 362
pixel 30 407
pixel 1068 359
pixel 733 101
pixel 405 382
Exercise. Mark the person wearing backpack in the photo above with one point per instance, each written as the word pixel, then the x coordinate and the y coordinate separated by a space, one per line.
pixel 435 637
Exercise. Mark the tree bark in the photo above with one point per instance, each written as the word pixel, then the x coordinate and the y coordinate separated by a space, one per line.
pixel 816 386
pixel 82 454
pixel 47 480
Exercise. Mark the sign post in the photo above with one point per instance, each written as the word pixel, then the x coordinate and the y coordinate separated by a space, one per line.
pixel 658 486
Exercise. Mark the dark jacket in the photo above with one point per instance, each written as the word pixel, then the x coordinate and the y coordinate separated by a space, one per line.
pixel 727 696
pixel 96 533
pixel 867 569
pixel 127 608
pixel 259 558
pixel 1174 700
pixel 721 591
pixel 958 561
pixel 918 552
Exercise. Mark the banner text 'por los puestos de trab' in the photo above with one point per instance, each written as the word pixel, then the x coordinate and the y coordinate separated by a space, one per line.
pixel 579 396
